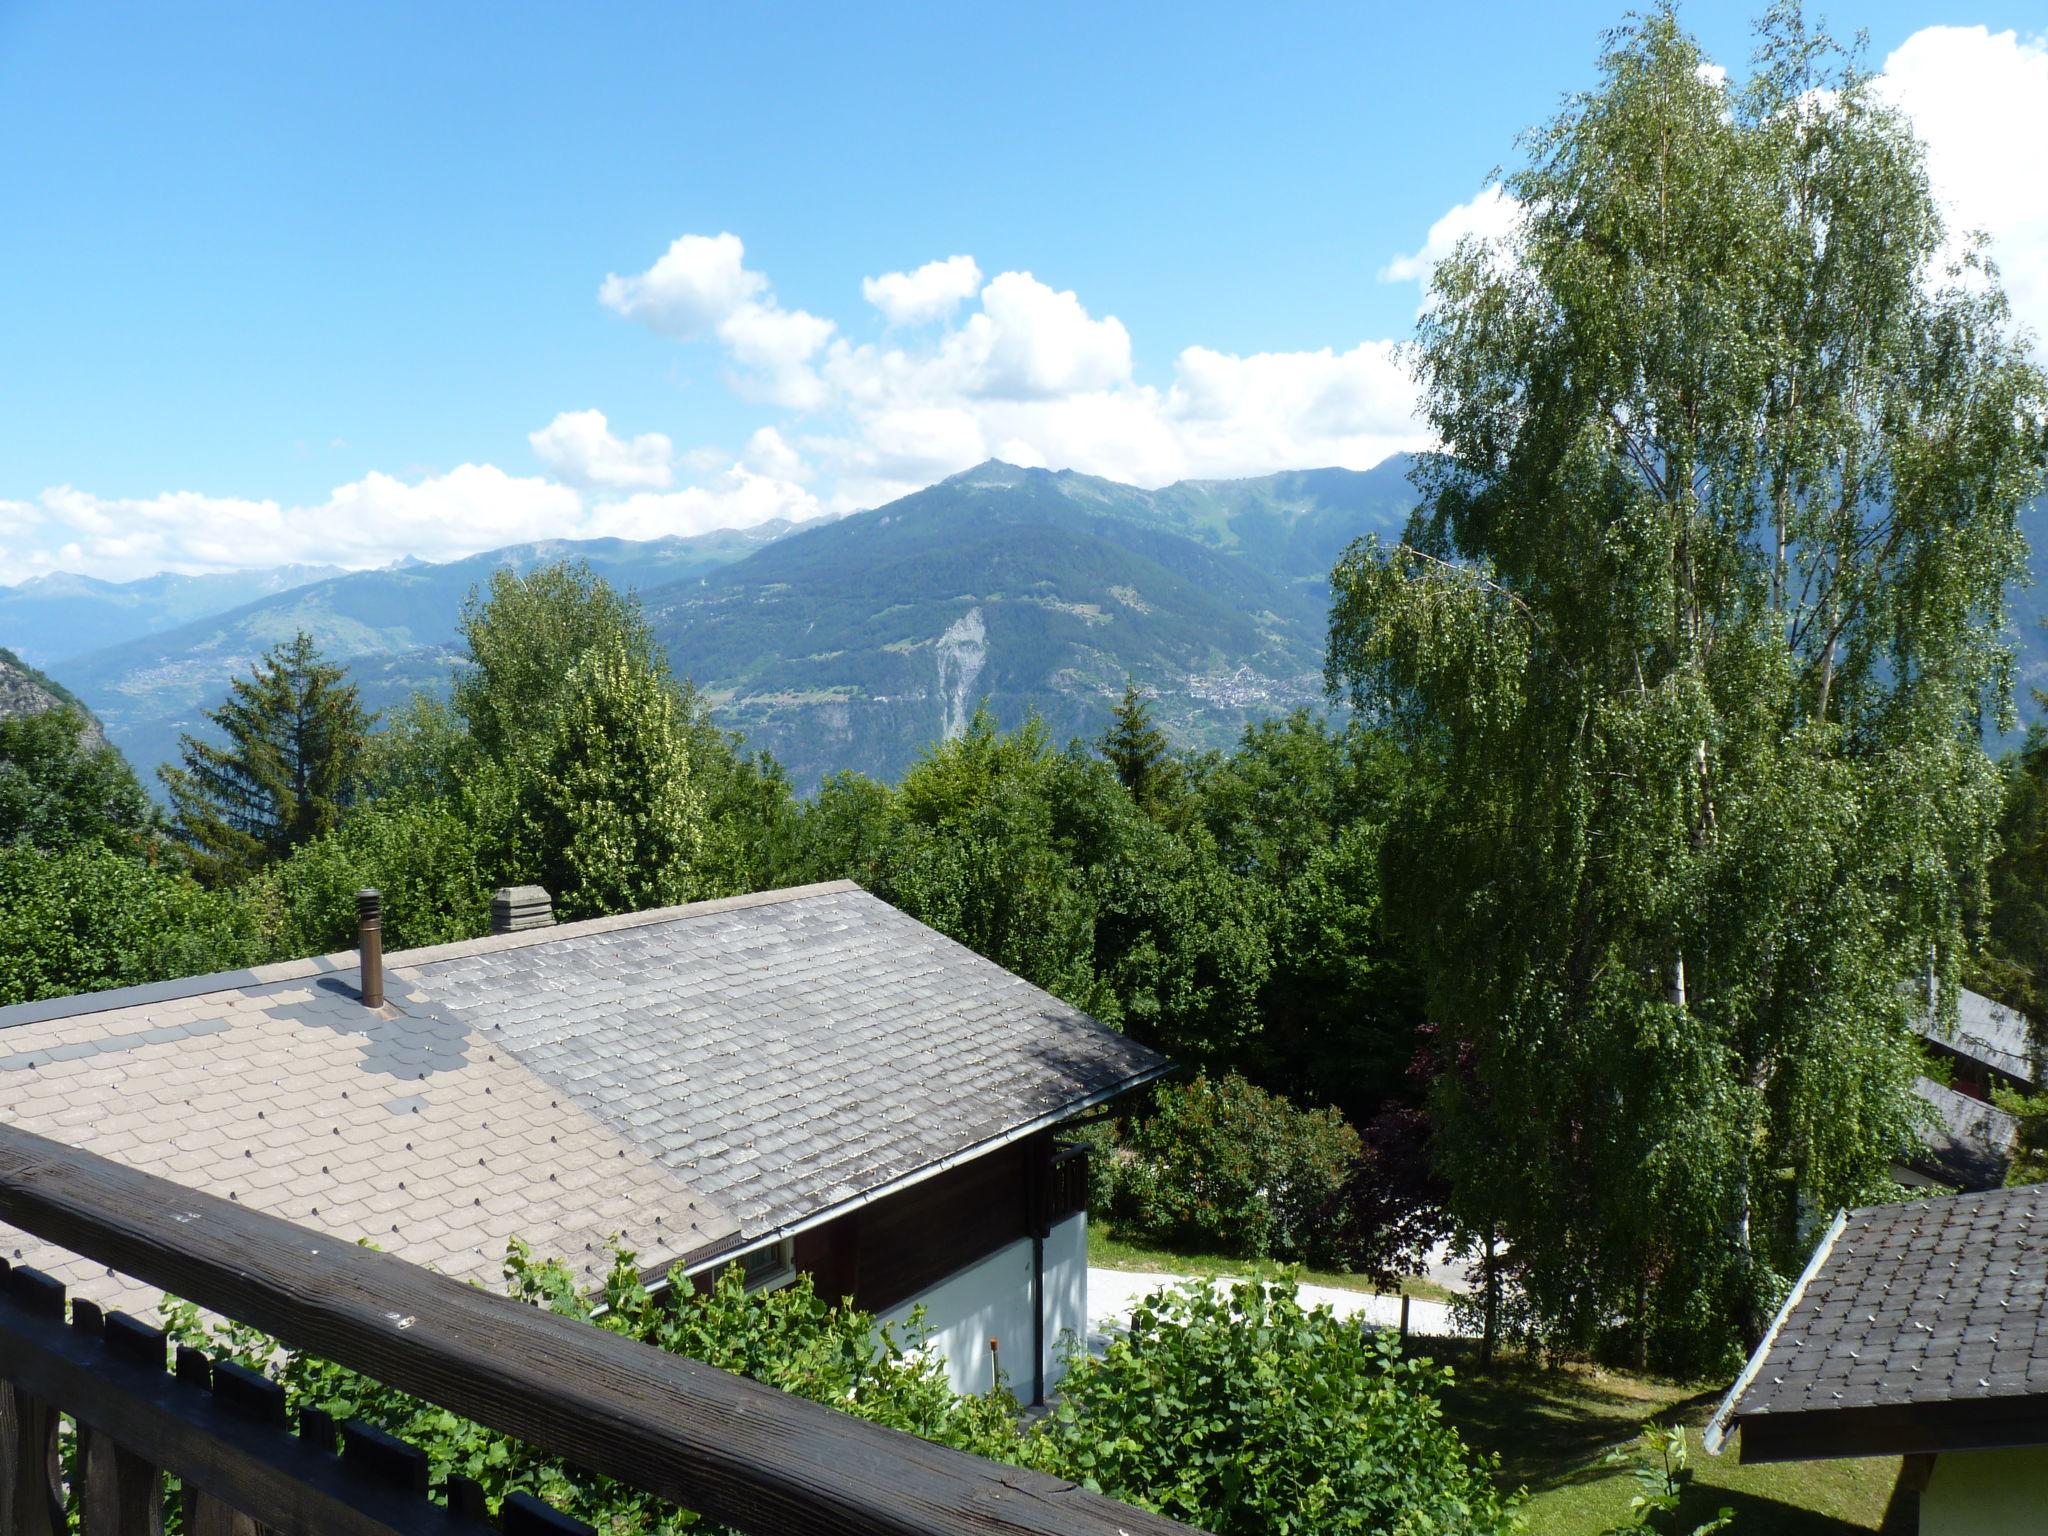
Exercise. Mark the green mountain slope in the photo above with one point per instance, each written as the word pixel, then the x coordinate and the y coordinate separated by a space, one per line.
pixel 49 619
pixel 854 644
pixel 394 628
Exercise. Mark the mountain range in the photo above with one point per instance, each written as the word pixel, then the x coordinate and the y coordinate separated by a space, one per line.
pixel 850 643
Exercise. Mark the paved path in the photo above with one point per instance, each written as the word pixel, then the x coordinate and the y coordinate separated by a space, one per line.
pixel 1112 1293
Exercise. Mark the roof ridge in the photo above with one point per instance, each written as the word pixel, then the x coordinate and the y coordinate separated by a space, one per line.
pixel 491 943
pixel 84 1004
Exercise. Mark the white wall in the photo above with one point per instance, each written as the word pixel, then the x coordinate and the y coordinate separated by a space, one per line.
pixel 1986 1493
pixel 991 1299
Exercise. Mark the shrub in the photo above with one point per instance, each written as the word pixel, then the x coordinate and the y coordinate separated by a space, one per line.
pixel 424 860
pixel 91 918
pixel 1247 1415
pixel 1221 1165
pixel 789 1339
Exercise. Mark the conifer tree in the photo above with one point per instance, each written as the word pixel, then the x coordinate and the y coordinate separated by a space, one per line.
pixel 1138 750
pixel 293 738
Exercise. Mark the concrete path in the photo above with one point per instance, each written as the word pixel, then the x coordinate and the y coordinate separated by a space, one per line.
pixel 1113 1293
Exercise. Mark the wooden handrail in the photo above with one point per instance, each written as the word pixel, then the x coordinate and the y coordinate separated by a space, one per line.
pixel 726 1446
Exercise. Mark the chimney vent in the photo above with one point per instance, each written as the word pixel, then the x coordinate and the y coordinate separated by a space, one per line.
pixel 370 946
pixel 519 907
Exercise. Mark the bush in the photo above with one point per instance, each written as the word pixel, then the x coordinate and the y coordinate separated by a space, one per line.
pixel 424 860
pixel 1223 1166
pixel 1249 1416
pixel 789 1339
pixel 91 918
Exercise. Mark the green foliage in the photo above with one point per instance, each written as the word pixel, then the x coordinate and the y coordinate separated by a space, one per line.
pixel 1138 750
pixel 1248 1415
pixel 420 854
pixel 1242 1414
pixel 1691 640
pixel 1222 1166
pixel 790 1339
pixel 88 918
pixel 1662 1474
pixel 2030 1150
pixel 574 764
pixel 2011 963
pixel 294 736
pixel 61 786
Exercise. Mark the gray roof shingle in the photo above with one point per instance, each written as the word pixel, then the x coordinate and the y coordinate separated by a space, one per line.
pixel 1929 1302
pixel 1988 1033
pixel 697 1078
pixel 1970 1144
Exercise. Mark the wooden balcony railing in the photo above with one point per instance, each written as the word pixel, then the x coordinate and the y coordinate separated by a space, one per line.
pixel 730 1448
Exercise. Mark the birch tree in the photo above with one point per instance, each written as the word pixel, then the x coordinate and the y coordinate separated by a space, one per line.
pixel 1694 631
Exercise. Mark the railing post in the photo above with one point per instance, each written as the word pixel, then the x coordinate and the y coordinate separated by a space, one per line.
pixel 32 1502
pixel 123 1494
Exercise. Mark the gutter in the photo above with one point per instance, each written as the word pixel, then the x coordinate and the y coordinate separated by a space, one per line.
pixel 1715 1435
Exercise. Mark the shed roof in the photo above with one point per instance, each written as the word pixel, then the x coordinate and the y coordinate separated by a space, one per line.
pixel 1918 1326
pixel 1970 1143
pixel 696 1078
pixel 1988 1033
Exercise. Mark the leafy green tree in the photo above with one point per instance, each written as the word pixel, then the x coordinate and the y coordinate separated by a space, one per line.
pixel 790 1338
pixel 601 809
pixel 573 762
pixel 294 734
pixel 752 838
pixel 522 638
pixel 421 855
pixel 1139 751
pixel 87 918
pixel 62 785
pixel 2011 963
pixel 1691 638
pixel 1247 1414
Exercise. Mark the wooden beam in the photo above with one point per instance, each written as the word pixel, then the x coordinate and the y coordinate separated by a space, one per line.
pixel 1897 1429
pixel 732 1449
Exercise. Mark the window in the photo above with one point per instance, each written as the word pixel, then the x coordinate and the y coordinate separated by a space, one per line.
pixel 770 1267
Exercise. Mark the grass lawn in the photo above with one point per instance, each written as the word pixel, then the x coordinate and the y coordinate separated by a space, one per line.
pixel 1553 1430
pixel 1108 1251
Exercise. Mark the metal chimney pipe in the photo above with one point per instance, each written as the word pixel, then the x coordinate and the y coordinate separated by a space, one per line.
pixel 370 946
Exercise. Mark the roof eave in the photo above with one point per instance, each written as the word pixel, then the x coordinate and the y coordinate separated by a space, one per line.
pixel 725 1252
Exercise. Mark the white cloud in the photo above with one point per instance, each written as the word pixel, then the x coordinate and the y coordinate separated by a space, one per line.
pixel 697 283
pixel 1490 216
pixel 367 522
pixel 701 287
pixel 738 498
pixel 579 446
pixel 1028 373
pixel 1980 100
pixel 932 292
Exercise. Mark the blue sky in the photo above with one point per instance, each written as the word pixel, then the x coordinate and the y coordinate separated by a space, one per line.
pixel 273 274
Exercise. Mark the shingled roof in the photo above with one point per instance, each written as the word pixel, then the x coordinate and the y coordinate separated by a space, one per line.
pixel 1988 1033
pixel 699 1079
pixel 1969 1145
pixel 1921 1326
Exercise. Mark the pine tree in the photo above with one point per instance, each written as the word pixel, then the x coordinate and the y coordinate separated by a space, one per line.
pixel 294 737
pixel 1138 750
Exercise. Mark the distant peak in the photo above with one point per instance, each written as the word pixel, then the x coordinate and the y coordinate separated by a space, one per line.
pixel 993 472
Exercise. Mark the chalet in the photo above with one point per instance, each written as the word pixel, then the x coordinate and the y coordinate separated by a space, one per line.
pixel 801 1080
pixel 1969 1143
pixel 1918 1330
